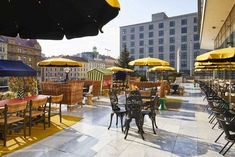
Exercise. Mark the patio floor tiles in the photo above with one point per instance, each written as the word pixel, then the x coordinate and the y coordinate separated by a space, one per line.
pixel 183 132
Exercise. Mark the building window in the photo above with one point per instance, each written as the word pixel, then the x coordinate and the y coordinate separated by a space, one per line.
pixel 195 28
pixel 151 27
pixel 141 56
pixel 150 34
pixel 132 57
pixel 161 33
pixel 141 28
pixel 195 19
pixel 19 58
pixel 132 44
pixel 172 63
pixel 172 31
pixel 132 30
pixel 124 38
pixel 184 47
pixel 160 49
pixel 184 55
pixel 132 51
pixel 141 35
pixel 172 48
pixel 184 22
pixel 150 55
pixel 196 46
pixel 172 23
pixel 160 41
pixel 160 25
pixel 123 44
pixel 141 43
pixel 124 31
pixel 195 37
pixel 151 42
pixel 161 56
pixel 184 38
pixel 172 56
pixel 30 59
pixel 132 36
pixel 19 50
pixel 184 30
pixel 150 49
pixel 183 64
pixel 141 50
pixel 172 40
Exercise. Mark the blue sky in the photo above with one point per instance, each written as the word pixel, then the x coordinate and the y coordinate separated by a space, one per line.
pixel 132 12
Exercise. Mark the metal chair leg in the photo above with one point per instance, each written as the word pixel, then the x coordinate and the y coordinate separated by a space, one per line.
pixel 228 148
pixel 215 125
pixel 219 136
pixel 224 147
pixel 116 119
pixel 110 120
pixel 121 117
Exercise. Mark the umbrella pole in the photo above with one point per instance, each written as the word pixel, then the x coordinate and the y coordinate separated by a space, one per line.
pixel 230 87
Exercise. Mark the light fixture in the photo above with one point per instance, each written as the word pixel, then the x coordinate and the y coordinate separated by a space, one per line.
pixel 67 71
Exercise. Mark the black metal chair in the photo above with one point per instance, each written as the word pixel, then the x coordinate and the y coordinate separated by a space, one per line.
pixel 134 106
pixel 150 110
pixel 120 112
pixel 228 136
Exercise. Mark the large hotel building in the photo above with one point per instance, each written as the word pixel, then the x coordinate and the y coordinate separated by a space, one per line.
pixel 174 39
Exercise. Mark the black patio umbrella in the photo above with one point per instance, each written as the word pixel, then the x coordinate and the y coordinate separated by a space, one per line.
pixel 52 19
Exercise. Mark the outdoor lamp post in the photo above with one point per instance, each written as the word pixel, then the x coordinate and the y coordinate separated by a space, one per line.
pixel 67 71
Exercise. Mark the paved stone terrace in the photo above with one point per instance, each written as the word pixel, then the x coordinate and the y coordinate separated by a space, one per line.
pixel 183 131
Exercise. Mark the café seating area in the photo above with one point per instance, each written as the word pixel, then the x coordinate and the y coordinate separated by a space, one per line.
pixel 221 112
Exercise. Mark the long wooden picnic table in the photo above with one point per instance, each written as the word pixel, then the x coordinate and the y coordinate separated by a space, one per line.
pixel 17 100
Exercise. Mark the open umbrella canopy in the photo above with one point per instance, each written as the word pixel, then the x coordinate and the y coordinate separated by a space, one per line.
pixel 161 68
pixel 213 63
pixel 15 68
pixel 59 62
pixel 128 70
pixel 148 62
pixel 226 54
pixel 52 19
pixel 116 69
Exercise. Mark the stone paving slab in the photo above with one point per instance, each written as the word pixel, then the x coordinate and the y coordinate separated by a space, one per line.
pixel 183 132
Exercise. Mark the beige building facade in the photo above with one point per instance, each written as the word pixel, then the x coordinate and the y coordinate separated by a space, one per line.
pixel 217 23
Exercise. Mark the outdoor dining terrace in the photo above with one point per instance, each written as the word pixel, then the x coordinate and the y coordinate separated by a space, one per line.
pixel 104 116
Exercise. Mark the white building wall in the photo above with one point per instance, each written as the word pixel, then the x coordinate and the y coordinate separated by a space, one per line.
pixel 141 50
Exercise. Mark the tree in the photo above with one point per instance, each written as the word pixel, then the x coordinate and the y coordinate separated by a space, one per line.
pixel 124 59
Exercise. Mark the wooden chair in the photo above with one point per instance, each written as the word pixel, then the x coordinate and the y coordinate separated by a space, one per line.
pixel 13 114
pixel 54 107
pixel 37 111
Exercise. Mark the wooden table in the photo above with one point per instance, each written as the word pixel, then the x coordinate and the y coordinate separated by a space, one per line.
pixel 16 100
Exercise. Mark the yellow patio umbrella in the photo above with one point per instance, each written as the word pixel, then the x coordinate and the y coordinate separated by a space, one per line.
pixel 115 68
pixel 213 63
pixel 59 62
pixel 161 68
pixel 217 55
pixel 149 62
pixel 128 70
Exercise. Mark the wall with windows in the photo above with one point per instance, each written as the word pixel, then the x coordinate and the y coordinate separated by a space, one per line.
pixel 162 38
pixel 3 50
pixel 226 35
